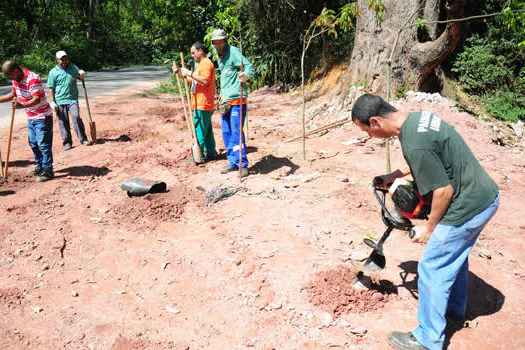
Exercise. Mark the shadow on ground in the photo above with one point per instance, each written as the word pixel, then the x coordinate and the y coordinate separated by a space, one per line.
pixel 6 193
pixel 121 138
pixel 483 299
pixel 19 163
pixel 85 170
pixel 271 163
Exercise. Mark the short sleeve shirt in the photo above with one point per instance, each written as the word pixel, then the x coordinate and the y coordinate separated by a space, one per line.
pixel 64 83
pixel 438 156
pixel 203 96
pixel 29 87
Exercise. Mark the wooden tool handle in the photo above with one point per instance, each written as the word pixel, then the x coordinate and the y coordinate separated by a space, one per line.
pixel 13 109
pixel 87 101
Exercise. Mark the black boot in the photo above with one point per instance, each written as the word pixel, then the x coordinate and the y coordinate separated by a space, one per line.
pixel 45 175
pixel 35 171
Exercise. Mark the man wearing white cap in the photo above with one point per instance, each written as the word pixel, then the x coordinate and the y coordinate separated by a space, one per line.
pixel 63 98
pixel 232 77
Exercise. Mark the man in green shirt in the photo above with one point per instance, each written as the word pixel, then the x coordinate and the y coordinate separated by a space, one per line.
pixel 464 198
pixel 63 98
pixel 232 76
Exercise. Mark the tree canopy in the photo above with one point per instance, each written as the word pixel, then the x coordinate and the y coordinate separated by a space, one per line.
pixel 105 33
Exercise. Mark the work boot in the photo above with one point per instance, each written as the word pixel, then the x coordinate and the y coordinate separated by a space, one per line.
pixel 228 169
pixel 404 341
pixel 244 172
pixel 45 175
pixel 87 143
pixel 35 171
pixel 67 147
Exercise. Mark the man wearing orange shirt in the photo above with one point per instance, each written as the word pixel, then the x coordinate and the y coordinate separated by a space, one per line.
pixel 202 81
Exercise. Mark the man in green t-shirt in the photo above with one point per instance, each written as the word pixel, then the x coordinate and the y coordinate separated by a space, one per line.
pixel 63 98
pixel 231 79
pixel 464 198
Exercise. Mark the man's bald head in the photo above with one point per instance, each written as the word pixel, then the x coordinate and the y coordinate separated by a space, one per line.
pixel 12 70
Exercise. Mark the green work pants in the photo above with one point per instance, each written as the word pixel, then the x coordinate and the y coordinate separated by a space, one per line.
pixel 204 131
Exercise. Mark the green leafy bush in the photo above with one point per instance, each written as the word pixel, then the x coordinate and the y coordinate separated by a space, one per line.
pixel 480 69
pixel 505 105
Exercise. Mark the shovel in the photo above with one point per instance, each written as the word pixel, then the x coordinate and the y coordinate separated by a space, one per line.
pixel 9 141
pixel 196 151
pixel 92 126
pixel 1 167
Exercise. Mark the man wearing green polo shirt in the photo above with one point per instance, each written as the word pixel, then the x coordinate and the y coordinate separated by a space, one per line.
pixel 63 98
pixel 230 59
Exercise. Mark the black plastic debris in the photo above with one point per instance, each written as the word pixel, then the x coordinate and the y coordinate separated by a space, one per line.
pixel 137 187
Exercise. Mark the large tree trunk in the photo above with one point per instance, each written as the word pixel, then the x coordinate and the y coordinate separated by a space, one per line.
pixel 416 57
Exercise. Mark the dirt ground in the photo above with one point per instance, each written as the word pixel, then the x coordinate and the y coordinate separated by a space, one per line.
pixel 84 266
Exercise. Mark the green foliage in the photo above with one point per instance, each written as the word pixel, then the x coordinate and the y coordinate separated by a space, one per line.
pixel 170 87
pixel 402 89
pixel 379 7
pixel 270 34
pixel 481 68
pixel 514 18
pixel 505 105
pixel 490 65
pixel 421 24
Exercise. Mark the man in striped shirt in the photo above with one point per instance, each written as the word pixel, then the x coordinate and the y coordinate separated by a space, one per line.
pixel 30 94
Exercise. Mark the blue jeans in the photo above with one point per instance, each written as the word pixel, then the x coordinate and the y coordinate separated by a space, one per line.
pixel 443 276
pixel 40 138
pixel 231 128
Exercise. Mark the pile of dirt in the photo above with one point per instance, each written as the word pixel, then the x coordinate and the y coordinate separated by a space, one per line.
pixel 169 114
pixel 333 291
pixel 152 209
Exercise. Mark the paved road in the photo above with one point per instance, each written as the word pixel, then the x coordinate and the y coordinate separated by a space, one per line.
pixel 98 84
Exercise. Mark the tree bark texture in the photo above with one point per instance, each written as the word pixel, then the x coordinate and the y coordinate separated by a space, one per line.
pixel 416 58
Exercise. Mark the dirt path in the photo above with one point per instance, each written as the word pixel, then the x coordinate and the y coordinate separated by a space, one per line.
pixel 83 266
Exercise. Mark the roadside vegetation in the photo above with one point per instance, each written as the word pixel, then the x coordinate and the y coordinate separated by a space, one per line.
pixel 105 34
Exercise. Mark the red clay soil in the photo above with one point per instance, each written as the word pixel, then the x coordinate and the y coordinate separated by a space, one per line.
pixel 335 292
pixel 84 266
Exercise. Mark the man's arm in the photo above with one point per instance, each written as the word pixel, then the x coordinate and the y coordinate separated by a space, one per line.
pixel 52 102
pixel 200 79
pixel 385 181
pixel 32 102
pixel 7 97
pixel 441 198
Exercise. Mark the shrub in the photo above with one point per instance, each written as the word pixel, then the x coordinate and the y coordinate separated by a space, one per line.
pixel 505 105
pixel 480 69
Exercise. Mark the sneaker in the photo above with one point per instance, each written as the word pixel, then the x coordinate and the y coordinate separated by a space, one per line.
pixel 87 143
pixel 67 147
pixel 35 171
pixel 228 169
pixel 45 175
pixel 404 341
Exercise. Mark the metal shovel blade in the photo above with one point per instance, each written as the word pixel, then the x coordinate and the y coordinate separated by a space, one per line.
pixel 197 153
pixel 93 132
pixel 375 262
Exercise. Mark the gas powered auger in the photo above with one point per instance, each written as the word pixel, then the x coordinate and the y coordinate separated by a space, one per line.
pixel 408 205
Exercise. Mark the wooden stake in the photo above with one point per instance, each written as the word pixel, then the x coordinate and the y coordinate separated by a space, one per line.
pixel 240 129
pixel 322 128
pixel 13 109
